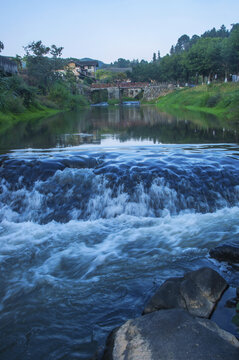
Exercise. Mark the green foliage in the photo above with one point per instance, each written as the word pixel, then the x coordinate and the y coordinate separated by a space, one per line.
pixel 215 53
pixel 107 76
pixel 122 63
pixel 13 104
pixel 40 68
pixel 59 94
pixel 76 101
pixel 218 99
pixel 42 90
pixel 113 102
pixel 213 100
pixel 15 94
pixel 88 81
pixel 99 96
pixel 62 96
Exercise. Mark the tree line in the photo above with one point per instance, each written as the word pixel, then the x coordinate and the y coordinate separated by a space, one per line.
pixel 213 55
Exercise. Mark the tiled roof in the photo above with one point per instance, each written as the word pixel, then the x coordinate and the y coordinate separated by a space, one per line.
pixel 122 85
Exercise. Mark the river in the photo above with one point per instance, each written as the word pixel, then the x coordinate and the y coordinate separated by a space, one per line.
pixel 97 209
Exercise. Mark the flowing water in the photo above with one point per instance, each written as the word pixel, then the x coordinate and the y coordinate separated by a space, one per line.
pixel 97 209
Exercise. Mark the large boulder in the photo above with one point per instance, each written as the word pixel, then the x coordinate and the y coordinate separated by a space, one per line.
pixel 198 292
pixel 171 335
pixel 228 253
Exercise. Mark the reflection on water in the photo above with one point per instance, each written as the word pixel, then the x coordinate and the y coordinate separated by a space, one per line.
pixel 121 124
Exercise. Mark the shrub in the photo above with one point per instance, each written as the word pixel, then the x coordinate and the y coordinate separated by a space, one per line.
pixel 44 101
pixel 14 104
pixel 98 96
pixel 113 102
pixel 75 101
pixel 60 95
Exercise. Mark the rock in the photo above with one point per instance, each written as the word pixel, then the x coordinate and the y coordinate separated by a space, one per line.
pixel 168 296
pixel 201 290
pixel 198 292
pixel 229 253
pixel 171 335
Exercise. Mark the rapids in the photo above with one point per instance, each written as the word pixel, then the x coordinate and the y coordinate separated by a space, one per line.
pixel 89 231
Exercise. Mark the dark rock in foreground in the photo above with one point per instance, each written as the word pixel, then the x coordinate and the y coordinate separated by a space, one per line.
pixel 171 335
pixel 229 253
pixel 197 292
pixel 179 331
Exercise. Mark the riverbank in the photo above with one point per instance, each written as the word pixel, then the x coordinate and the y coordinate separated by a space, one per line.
pixel 8 119
pixel 221 100
pixel 43 108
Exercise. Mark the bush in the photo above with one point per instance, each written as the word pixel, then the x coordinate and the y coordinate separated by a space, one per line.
pixel 113 102
pixel 76 101
pixel 44 101
pixel 88 81
pixel 17 85
pixel 99 96
pixel 60 95
pixel 14 105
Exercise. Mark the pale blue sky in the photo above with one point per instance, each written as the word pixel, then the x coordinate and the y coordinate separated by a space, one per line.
pixel 109 29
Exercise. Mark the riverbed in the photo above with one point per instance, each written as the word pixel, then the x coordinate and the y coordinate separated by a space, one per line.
pixel 98 208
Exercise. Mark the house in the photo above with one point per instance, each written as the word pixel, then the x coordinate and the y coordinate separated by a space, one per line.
pixel 86 68
pixel 8 66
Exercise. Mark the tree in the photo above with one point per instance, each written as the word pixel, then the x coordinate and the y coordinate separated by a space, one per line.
pixel 56 51
pixel 194 39
pixel 172 50
pixel 182 44
pixel 204 57
pixel 36 49
pixel 223 32
pixel 234 43
pixel 1 46
pixel 40 68
pixel 122 63
pixel 154 57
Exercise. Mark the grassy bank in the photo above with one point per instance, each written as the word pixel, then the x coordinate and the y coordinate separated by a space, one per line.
pixel 218 99
pixel 8 119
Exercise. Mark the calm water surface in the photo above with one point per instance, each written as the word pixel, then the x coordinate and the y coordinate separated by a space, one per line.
pixel 97 209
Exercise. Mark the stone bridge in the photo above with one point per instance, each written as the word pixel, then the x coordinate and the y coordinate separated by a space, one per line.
pixel 145 90
pixel 123 89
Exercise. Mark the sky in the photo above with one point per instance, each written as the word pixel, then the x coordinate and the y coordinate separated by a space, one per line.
pixel 109 29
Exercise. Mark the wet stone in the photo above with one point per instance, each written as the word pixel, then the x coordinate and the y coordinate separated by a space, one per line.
pixel 229 253
pixel 198 292
pixel 171 335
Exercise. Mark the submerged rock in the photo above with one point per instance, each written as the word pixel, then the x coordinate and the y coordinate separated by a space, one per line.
pixel 198 292
pixel 171 335
pixel 229 253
